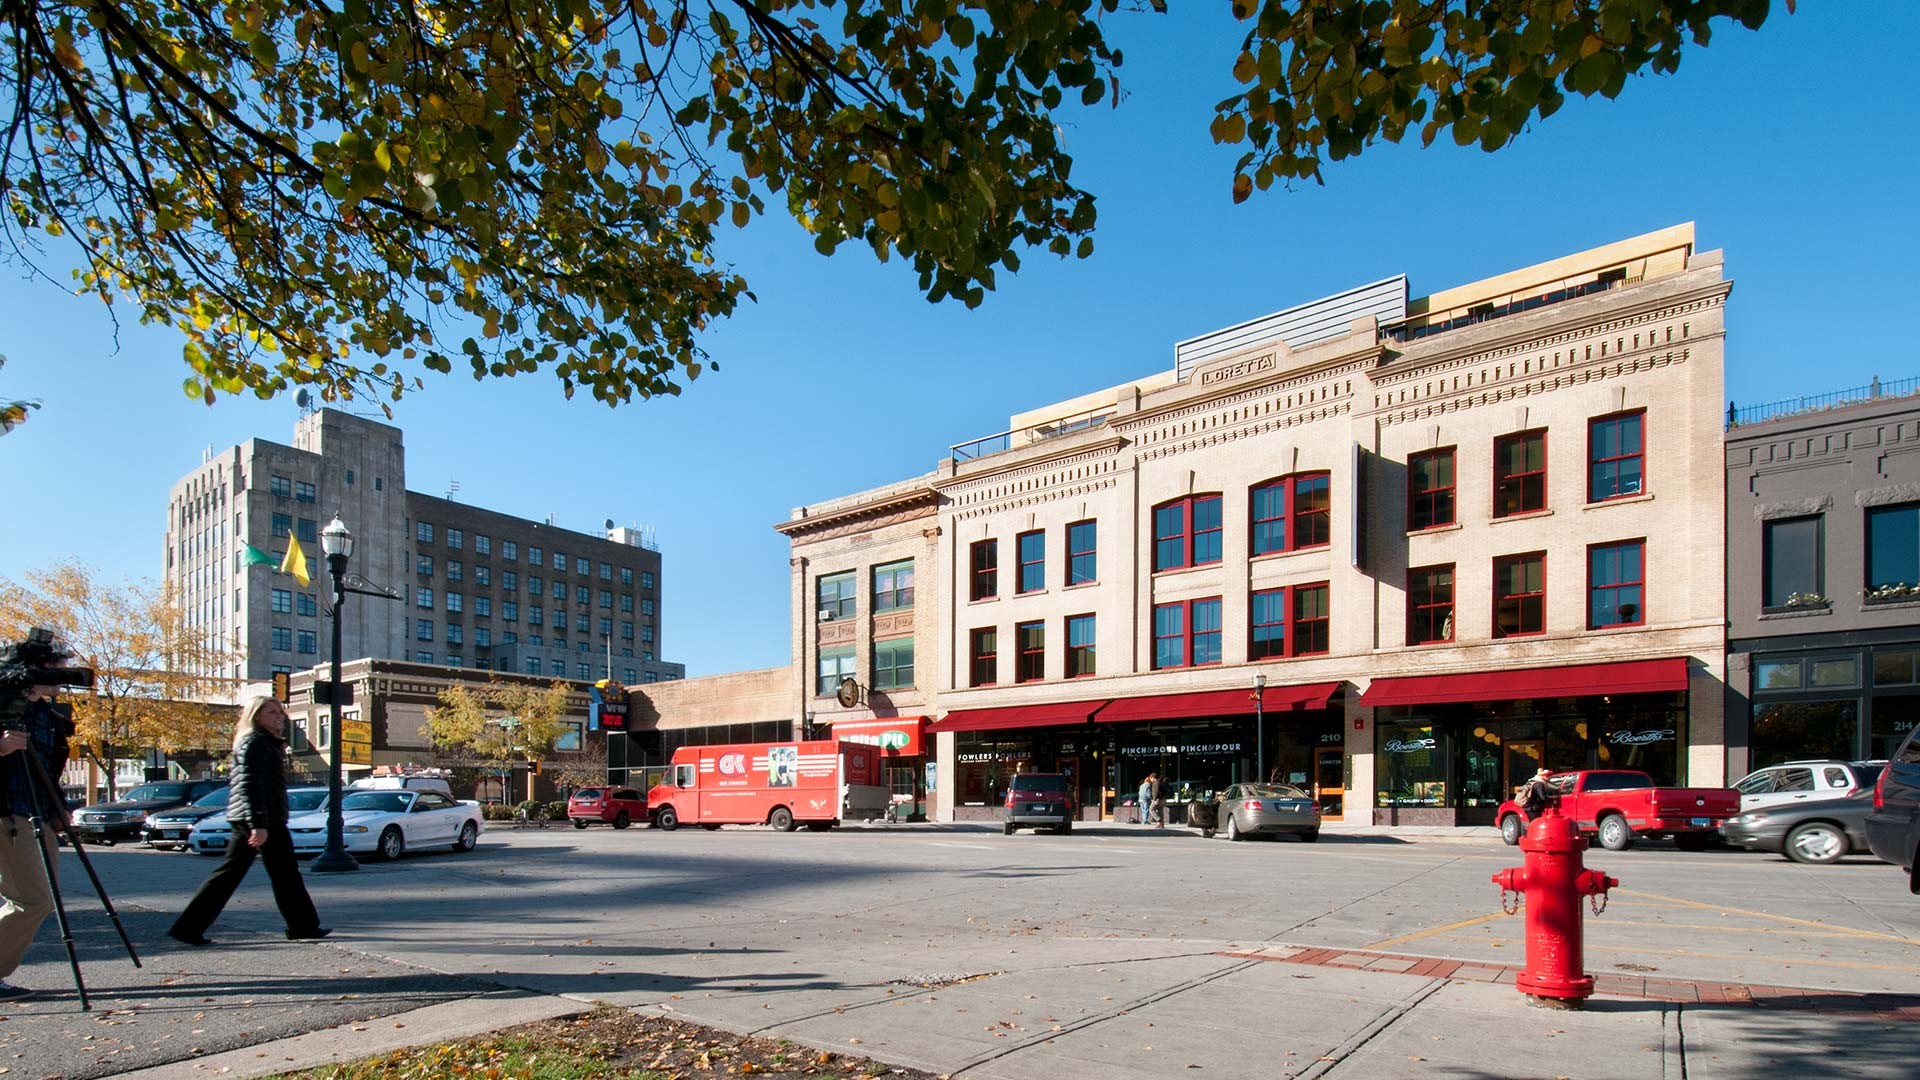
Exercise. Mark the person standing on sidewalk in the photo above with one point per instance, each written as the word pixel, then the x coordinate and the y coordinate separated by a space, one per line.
pixel 1146 797
pixel 257 815
pixel 1159 802
pixel 26 896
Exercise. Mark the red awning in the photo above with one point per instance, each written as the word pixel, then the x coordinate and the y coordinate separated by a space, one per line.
pixel 1218 703
pixel 1053 714
pixel 1580 680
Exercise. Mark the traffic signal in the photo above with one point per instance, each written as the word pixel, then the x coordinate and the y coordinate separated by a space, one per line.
pixel 533 766
pixel 282 687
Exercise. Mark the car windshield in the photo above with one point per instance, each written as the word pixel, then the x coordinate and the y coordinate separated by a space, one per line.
pixel 386 802
pixel 1274 791
pixel 216 797
pixel 587 793
pixel 1038 782
pixel 306 801
pixel 155 793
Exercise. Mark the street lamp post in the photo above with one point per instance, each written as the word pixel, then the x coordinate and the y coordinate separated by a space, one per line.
pixel 1260 724
pixel 337 542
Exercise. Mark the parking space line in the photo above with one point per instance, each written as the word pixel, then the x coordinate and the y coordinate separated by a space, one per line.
pixel 1814 923
pixel 1432 931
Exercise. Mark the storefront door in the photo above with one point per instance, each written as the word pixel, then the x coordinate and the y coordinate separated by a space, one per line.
pixel 1523 758
pixel 1330 782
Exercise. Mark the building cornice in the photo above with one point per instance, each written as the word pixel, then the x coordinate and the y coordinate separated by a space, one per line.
pixel 892 507
pixel 1008 467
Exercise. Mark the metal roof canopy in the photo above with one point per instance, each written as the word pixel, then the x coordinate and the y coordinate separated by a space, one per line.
pixel 1300 326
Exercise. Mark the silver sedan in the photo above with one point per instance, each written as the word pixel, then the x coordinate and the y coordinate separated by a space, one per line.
pixel 1268 810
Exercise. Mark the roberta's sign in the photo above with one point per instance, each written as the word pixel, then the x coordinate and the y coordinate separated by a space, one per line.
pixel 902 736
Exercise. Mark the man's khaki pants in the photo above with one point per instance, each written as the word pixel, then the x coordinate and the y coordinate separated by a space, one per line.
pixel 25 896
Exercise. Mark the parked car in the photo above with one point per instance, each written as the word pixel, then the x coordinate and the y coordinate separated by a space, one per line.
pixel 1893 825
pixel 1040 800
pixel 1622 805
pixel 126 817
pixel 1806 781
pixel 1269 810
pixel 209 835
pixel 388 823
pixel 1822 831
pixel 618 807
pixel 169 828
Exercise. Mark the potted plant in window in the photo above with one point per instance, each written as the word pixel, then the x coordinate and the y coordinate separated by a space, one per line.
pixel 1804 600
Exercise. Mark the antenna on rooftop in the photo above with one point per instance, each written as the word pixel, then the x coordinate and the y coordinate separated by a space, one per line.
pixel 453 488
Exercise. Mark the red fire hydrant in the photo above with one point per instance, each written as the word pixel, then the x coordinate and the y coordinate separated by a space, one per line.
pixel 1552 882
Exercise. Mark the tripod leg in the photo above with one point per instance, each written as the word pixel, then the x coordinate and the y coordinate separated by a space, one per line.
pixel 40 838
pixel 50 790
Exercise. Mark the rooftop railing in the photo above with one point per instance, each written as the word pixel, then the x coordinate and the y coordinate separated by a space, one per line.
pixel 1027 436
pixel 1773 410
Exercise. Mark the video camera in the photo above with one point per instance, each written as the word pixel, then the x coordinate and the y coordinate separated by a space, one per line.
pixel 40 660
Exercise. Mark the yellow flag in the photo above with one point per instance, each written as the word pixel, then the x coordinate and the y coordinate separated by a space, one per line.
pixel 296 562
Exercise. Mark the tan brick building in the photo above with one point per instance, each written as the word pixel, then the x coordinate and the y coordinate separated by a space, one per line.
pixel 1453 537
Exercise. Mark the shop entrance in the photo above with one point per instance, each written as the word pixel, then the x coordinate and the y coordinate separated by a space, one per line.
pixel 1524 757
pixel 1330 782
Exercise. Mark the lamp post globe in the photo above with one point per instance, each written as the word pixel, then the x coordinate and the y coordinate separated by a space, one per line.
pixel 337 542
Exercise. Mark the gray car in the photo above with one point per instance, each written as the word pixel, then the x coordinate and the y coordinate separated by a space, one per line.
pixel 1806 832
pixel 1268 810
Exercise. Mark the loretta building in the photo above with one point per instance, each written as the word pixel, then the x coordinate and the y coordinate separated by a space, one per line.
pixel 1400 551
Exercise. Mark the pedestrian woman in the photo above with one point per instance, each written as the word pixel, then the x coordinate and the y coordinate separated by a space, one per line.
pixel 1159 802
pixel 1146 798
pixel 257 817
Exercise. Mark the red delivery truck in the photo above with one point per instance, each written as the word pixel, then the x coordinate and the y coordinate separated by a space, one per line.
pixel 818 784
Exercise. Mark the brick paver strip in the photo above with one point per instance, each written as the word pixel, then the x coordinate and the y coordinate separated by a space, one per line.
pixel 1608 984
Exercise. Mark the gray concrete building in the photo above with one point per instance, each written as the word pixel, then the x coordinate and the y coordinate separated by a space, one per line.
pixel 1823 576
pixel 481 589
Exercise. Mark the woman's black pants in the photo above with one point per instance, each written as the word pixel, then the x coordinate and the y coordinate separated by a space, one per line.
pixel 289 891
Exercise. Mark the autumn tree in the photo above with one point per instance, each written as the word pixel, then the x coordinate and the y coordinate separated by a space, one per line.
pixel 346 195
pixel 13 413
pixel 153 670
pixel 500 724
pixel 585 767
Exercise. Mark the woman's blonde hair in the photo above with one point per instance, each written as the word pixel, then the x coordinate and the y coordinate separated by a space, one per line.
pixel 249 721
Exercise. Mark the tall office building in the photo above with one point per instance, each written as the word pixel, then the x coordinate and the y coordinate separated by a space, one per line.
pixel 480 589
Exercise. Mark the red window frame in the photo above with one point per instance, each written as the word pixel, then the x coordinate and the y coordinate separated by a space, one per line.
pixel 1029 664
pixel 1290 622
pixel 1431 497
pixel 1640 613
pixel 1021 562
pixel 1317 522
pixel 983 656
pixel 1518 479
pixel 1500 566
pixel 1081 660
pixel 1416 610
pixel 1091 552
pixel 1188 537
pixel 1186 634
pixel 984 570
pixel 1594 459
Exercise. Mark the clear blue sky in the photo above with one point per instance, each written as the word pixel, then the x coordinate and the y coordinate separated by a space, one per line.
pixel 1792 149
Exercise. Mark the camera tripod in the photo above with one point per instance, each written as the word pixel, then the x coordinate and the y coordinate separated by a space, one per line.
pixel 48 793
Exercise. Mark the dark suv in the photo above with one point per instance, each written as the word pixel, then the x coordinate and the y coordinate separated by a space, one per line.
pixel 126 818
pixel 1040 799
pixel 1893 828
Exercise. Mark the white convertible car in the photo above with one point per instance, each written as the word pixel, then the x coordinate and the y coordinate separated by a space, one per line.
pixel 210 834
pixel 388 823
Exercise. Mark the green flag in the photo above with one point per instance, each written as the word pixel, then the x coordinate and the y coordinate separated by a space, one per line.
pixel 256 557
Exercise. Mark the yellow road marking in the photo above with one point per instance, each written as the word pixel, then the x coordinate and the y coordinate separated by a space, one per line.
pixel 1847 930
pixel 1833 932
pixel 1795 961
pixel 1418 934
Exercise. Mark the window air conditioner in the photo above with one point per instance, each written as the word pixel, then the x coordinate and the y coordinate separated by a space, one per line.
pixel 826 615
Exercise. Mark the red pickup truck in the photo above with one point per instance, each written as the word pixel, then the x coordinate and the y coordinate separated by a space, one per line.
pixel 1621 806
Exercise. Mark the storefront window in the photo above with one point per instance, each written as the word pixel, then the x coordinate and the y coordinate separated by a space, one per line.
pixel 1893 720
pixel 1777 675
pixel 1648 740
pixel 1843 671
pixel 1796 730
pixel 1413 764
pixel 983 764
pixel 1893 668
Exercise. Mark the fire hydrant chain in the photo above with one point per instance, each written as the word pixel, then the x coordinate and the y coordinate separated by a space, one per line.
pixel 1598 902
pixel 1511 907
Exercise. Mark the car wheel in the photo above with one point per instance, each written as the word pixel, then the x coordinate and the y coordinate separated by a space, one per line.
pixel 1310 836
pixel 1007 829
pixel 469 836
pixel 1692 841
pixel 1615 833
pixel 1512 829
pixel 621 820
pixel 579 824
pixel 1233 829
pixel 392 844
pixel 1816 842
pixel 666 820
pixel 781 819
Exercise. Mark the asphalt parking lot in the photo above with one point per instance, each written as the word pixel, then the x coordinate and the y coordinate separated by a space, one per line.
pixel 751 929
